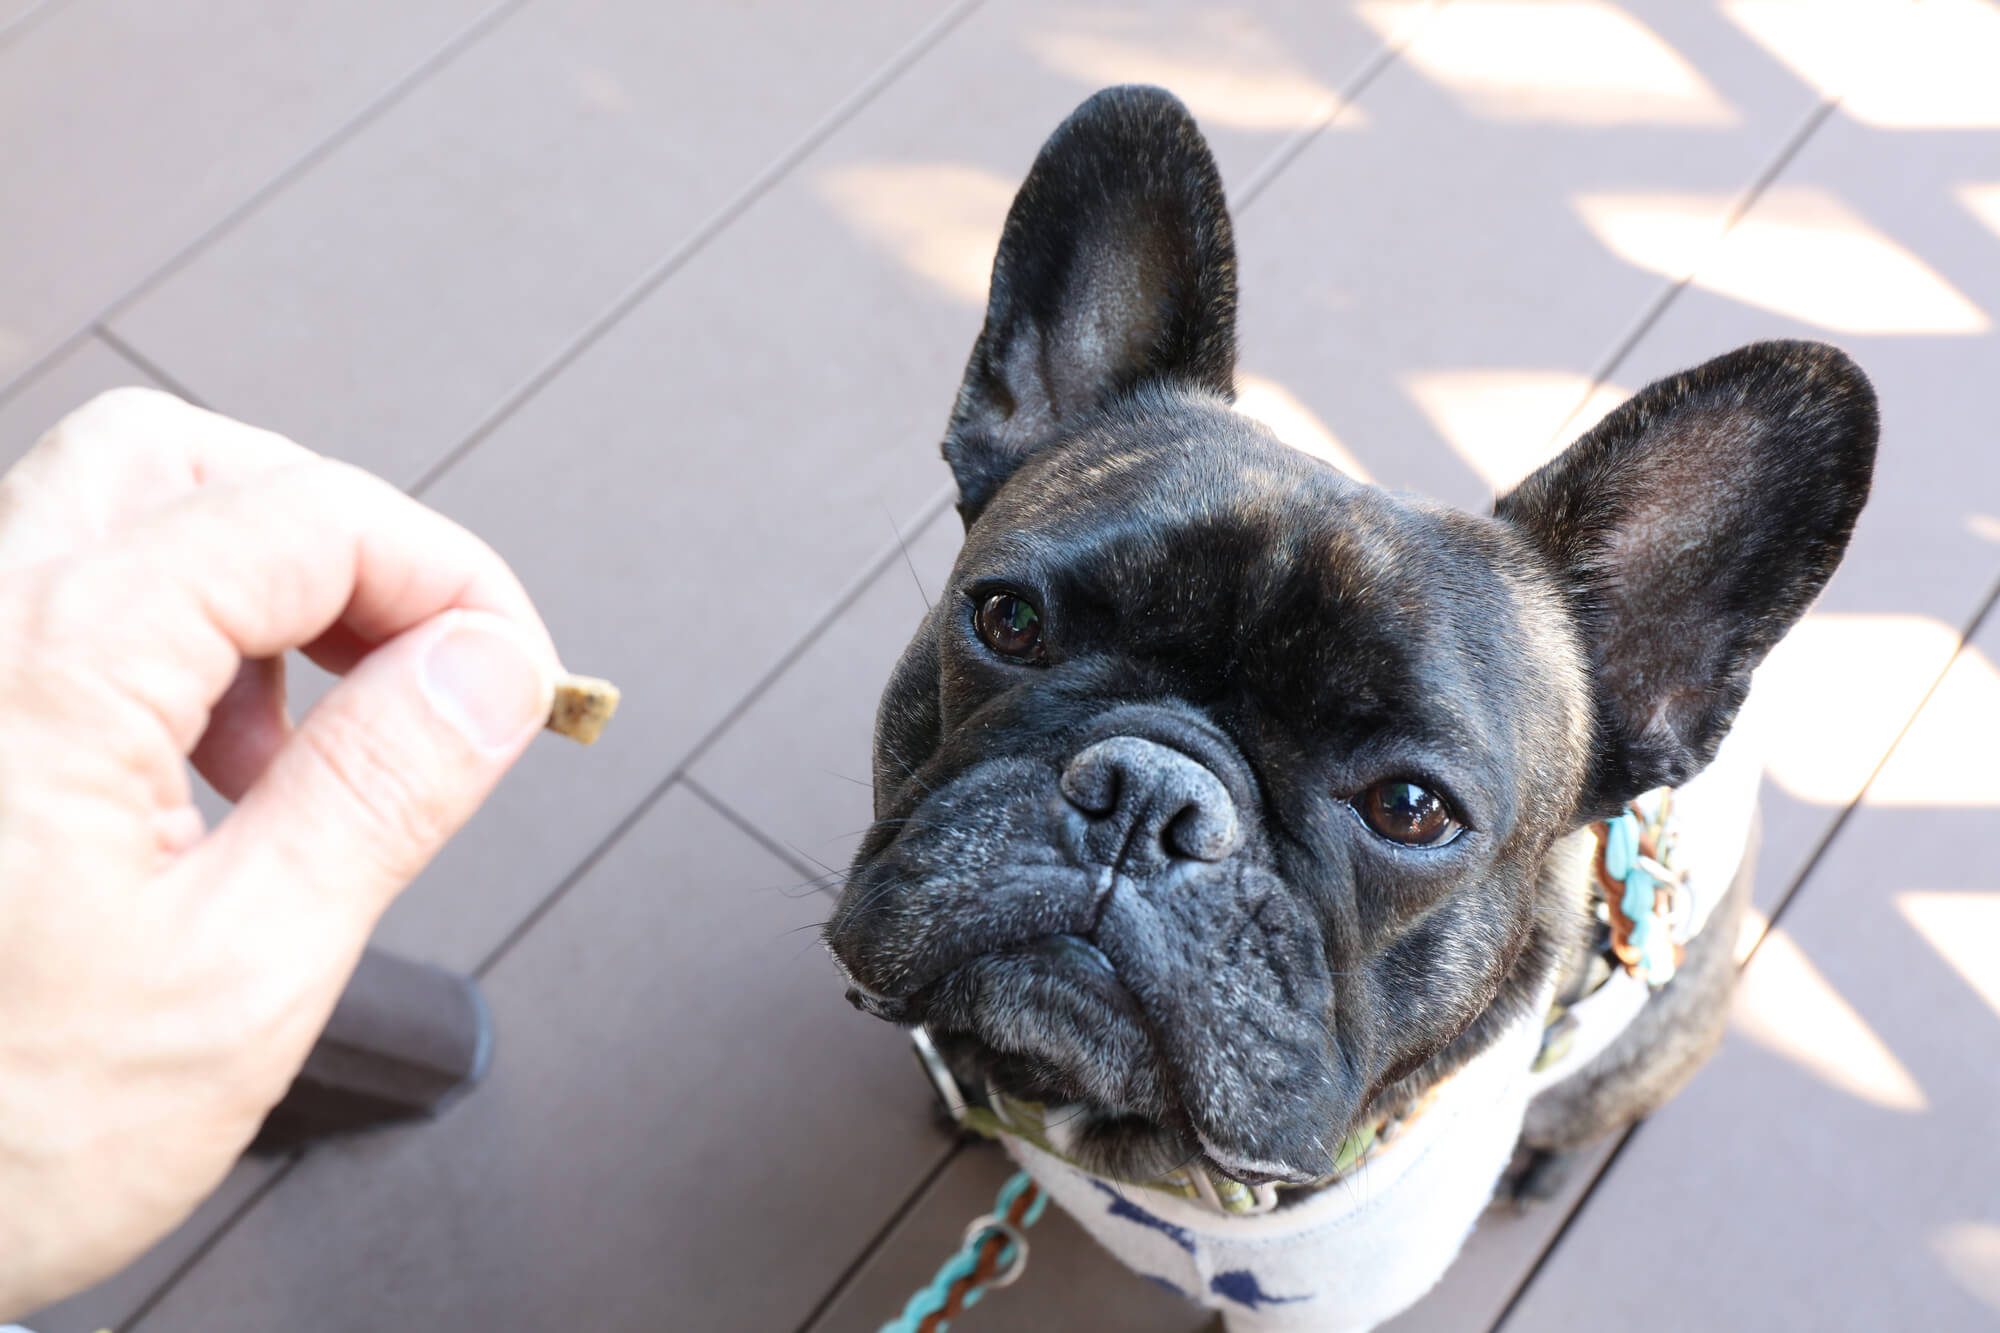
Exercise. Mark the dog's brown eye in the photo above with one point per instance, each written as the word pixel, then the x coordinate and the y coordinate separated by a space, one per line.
pixel 1010 625
pixel 1404 812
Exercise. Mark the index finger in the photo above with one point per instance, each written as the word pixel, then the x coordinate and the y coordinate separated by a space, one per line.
pixel 273 563
pixel 124 454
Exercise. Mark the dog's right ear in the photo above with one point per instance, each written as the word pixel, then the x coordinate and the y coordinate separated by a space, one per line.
pixel 1691 528
pixel 1116 268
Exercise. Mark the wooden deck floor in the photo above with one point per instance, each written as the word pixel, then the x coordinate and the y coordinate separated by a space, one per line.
pixel 679 293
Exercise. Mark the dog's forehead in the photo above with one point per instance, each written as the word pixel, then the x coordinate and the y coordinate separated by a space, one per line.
pixel 1181 491
pixel 1205 544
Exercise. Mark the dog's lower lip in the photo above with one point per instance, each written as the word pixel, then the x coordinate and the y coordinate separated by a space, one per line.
pixel 880 1006
pixel 1250 1171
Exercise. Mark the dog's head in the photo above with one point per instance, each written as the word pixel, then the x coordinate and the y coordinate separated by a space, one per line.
pixel 1214 796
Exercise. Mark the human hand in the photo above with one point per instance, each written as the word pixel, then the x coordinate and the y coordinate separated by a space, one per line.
pixel 160 983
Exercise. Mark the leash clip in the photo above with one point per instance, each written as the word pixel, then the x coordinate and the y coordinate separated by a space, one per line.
pixel 1017 1247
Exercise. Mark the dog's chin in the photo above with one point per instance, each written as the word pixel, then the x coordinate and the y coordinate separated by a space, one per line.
pixel 1050 1023
pixel 1104 1141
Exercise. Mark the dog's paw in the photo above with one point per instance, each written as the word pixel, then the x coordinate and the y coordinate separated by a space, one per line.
pixel 1535 1176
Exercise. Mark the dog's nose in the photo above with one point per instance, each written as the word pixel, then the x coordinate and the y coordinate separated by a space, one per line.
pixel 1146 805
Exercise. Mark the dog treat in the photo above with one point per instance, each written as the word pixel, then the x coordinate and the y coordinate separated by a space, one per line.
pixel 583 705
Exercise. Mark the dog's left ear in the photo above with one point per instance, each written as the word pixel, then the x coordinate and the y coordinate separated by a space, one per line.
pixel 1691 528
pixel 1116 268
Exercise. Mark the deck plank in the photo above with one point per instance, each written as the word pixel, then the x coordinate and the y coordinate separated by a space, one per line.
pixel 797 763
pixel 129 129
pixel 384 305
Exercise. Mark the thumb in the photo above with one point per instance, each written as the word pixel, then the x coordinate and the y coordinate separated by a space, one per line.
pixel 389 764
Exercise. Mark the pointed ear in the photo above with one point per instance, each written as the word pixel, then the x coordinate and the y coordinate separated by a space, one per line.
pixel 1116 268
pixel 1691 528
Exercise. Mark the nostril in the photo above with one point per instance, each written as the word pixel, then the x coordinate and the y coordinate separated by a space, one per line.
pixel 1091 783
pixel 1204 832
pixel 1148 803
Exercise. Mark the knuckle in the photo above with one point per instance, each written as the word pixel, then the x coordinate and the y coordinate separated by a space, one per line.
pixel 348 486
pixel 110 421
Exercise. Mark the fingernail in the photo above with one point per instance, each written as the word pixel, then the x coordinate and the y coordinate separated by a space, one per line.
pixel 482 678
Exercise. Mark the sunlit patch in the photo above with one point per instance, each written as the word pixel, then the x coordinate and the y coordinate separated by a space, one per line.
pixel 1786 1006
pixel 1965 930
pixel 1668 234
pixel 1507 423
pixel 1800 252
pixel 1983 526
pixel 1574 62
pixel 1753 928
pixel 1293 422
pixel 1970 1252
pixel 1836 691
pixel 1825 43
pixel 1893 64
pixel 1229 69
pixel 1984 201
pixel 1947 756
pixel 941 219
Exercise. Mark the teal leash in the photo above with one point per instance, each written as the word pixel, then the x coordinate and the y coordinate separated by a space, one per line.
pixel 993 1254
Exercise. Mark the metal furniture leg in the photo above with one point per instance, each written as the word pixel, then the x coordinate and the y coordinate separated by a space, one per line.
pixel 405 1041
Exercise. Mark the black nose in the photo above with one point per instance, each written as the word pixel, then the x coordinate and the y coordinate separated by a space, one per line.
pixel 1146 805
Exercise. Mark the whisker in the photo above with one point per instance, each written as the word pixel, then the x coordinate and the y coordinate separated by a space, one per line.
pixel 857 832
pixel 904 764
pixel 1077 1114
pixel 882 891
pixel 817 882
pixel 909 564
pixel 800 851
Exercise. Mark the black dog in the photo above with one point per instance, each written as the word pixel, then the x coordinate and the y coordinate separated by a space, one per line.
pixel 1234 805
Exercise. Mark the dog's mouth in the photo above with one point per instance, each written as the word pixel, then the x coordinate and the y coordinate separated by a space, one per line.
pixel 1050 1021
pixel 1049 1025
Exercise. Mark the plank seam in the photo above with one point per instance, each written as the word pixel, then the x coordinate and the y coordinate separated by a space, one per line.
pixel 369 112
pixel 677 258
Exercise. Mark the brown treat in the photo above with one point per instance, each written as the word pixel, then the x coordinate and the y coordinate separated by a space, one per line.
pixel 583 705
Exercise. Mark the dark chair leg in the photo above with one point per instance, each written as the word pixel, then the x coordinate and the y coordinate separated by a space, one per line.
pixel 406 1040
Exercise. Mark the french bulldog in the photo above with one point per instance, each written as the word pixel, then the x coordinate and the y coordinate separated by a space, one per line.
pixel 1236 816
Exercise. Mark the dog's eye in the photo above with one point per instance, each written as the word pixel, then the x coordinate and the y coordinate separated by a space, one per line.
pixel 1406 813
pixel 1010 625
